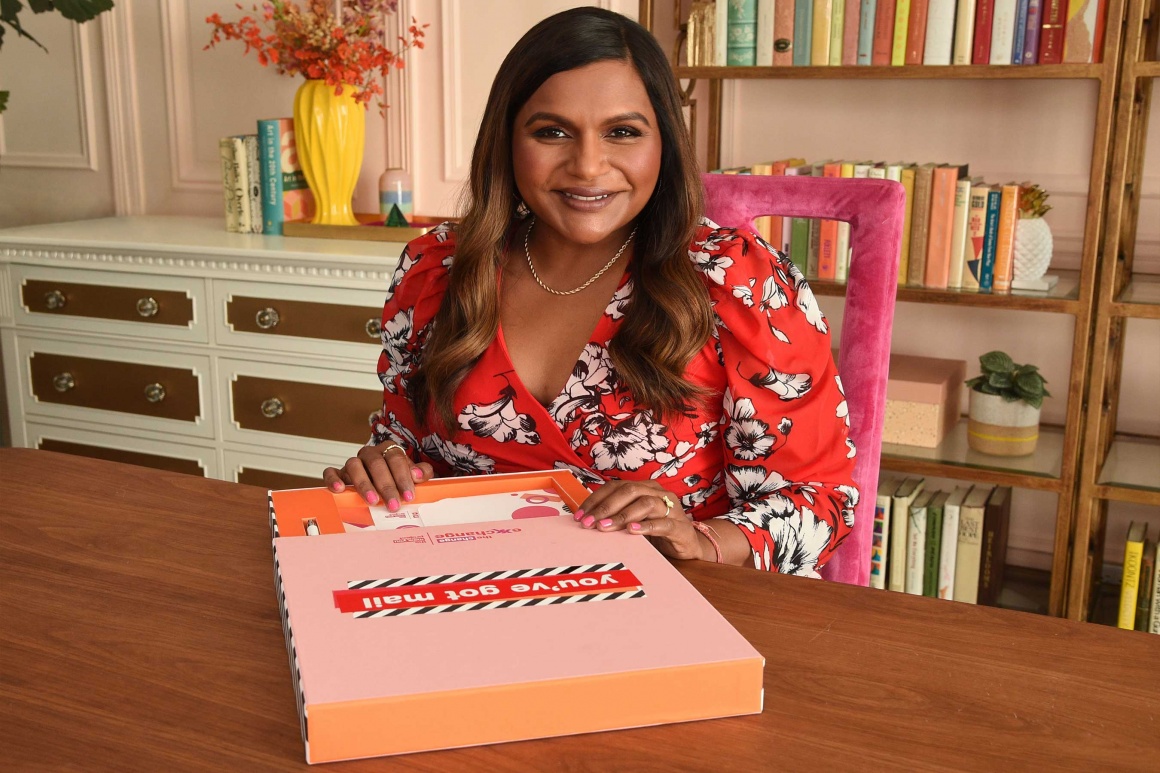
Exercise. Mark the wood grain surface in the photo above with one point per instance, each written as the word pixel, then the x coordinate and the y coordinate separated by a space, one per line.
pixel 139 632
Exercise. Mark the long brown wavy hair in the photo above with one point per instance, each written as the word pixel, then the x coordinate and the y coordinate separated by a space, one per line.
pixel 669 317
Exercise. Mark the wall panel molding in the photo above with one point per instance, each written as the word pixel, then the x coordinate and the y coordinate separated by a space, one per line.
pixel 126 155
pixel 184 171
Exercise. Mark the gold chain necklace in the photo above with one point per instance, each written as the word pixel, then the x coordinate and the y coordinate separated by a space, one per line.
pixel 597 275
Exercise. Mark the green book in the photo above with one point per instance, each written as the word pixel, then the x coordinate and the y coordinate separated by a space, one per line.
pixel 934 519
pixel 799 235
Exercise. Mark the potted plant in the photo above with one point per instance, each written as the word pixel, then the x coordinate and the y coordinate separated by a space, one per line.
pixel 1004 406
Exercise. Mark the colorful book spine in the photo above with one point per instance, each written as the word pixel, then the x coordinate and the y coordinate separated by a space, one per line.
pixel 899 526
pixel 920 225
pixel 721 33
pixel 820 44
pixel 990 238
pixel 907 179
pixel 242 186
pixel 948 550
pixel 959 233
pixel 851 29
pixel 996 527
pixel 883 33
pixel 942 217
pixel 866 21
pixel 1020 32
pixel 940 33
pixel 932 552
pixel 842 269
pixel 229 182
pixel 1003 32
pixel 964 31
pixel 984 16
pixel 1130 585
pixel 803 32
pixel 837 28
pixel 783 46
pixel 1051 31
pixel 1154 609
pixel 285 194
pixel 1005 243
pixel 969 545
pixel 800 226
pixel 763 225
pixel 741 45
pixel 880 537
pixel 901 31
pixel 976 232
pixel 916 31
pixel 1031 36
pixel 1144 597
pixel 828 234
pixel 765 10
pixel 1083 35
pixel 916 543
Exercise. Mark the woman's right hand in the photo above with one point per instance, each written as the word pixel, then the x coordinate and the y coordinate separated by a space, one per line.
pixel 383 473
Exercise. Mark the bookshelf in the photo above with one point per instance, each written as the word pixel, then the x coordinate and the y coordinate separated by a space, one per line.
pixel 1117 467
pixel 1055 467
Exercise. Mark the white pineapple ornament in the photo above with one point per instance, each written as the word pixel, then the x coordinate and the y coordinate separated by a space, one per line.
pixel 1033 242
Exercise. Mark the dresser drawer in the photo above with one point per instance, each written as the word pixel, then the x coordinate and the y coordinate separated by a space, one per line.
pixel 113 303
pixel 132 389
pixel 274 472
pixel 317 320
pixel 126 449
pixel 322 412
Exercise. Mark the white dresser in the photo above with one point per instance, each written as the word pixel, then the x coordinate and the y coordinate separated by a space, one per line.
pixel 167 341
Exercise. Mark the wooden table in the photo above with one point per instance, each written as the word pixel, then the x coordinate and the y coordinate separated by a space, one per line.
pixel 139 632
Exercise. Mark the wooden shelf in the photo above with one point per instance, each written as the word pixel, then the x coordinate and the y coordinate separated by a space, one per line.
pixel 1131 471
pixel 909 72
pixel 1140 299
pixel 1063 298
pixel 954 459
pixel 1146 69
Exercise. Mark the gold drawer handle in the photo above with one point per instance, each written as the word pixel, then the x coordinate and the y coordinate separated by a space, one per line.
pixel 374 327
pixel 55 300
pixel 63 382
pixel 154 393
pixel 148 307
pixel 267 318
pixel 272 408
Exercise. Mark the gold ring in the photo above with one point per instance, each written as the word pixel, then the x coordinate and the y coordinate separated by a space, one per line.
pixel 389 446
pixel 668 504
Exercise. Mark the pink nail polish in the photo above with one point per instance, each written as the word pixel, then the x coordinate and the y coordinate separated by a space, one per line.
pixel 579 514
pixel 408 495
pixel 588 521
pixel 634 527
pixel 372 498
pixel 393 505
pixel 606 523
pixel 416 473
pixel 337 487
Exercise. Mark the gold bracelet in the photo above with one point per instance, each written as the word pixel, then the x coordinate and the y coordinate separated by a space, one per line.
pixel 711 535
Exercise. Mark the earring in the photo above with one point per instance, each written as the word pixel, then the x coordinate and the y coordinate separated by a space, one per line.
pixel 522 210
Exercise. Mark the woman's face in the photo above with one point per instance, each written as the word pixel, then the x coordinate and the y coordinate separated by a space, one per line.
pixel 586 152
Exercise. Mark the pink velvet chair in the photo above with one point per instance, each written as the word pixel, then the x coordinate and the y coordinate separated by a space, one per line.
pixel 874 209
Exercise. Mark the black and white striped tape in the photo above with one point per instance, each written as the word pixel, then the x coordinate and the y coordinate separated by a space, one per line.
pixel 532 602
pixel 511 574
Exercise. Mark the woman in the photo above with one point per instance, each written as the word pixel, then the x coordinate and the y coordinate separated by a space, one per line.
pixel 584 316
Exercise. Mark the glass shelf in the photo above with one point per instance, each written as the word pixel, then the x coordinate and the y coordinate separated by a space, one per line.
pixel 1140 299
pixel 953 458
pixel 1063 298
pixel 909 72
pixel 1131 471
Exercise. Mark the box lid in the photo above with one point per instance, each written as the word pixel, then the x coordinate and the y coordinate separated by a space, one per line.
pixel 923 379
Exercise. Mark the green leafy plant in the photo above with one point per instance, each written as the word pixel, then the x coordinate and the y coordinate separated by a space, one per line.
pixel 75 10
pixel 1004 377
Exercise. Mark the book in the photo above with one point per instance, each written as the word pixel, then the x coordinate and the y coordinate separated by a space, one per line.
pixel 764 35
pixel 940 33
pixel 899 525
pixel 902 10
pixel 851 29
pixel 828 233
pixel 741 42
pixel 959 231
pixel 866 21
pixel 976 231
pixel 964 31
pixel 1130 585
pixel 285 194
pixel 783 21
pixel 837 30
pixel 253 182
pixel 820 45
pixel 880 536
pixel 526 593
pixel 229 183
pixel 799 245
pixel 916 543
pixel 787 222
pixel 242 185
pixel 842 267
pixel 990 238
pixel 1031 35
pixel 948 550
pixel 763 225
pixel 996 526
pixel 932 552
pixel 1005 240
pixel 1154 609
pixel 1051 31
pixel 803 32
pixel 984 17
pixel 916 31
pixel 1144 597
pixel 906 177
pixel 968 549
pixel 944 182
pixel 1083 31
pixel 920 225
pixel 1003 32
pixel 1020 32
pixel 883 43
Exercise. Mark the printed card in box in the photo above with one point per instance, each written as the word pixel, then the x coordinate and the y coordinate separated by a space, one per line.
pixel 515 624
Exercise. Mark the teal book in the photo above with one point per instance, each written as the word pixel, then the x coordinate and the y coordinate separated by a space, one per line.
pixel 934 521
pixel 803 31
pixel 990 239
pixel 866 32
pixel 741 41
pixel 285 194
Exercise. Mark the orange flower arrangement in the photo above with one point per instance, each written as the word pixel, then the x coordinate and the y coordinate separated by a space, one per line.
pixel 339 42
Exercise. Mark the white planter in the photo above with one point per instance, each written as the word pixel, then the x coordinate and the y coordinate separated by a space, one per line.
pixel 1001 428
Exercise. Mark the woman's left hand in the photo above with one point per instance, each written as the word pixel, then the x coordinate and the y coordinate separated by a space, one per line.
pixel 644 507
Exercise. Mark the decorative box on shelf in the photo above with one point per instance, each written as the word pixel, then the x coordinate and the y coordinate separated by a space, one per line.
pixel 923 397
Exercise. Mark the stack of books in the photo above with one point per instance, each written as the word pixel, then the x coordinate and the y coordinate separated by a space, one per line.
pixel 262 180
pixel 958 234
pixel 1140 588
pixel 782 33
pixel 942 544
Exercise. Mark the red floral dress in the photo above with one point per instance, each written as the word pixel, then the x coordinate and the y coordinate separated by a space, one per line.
pixel 771 455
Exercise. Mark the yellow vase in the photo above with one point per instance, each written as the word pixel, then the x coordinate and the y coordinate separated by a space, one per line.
pixel 330 132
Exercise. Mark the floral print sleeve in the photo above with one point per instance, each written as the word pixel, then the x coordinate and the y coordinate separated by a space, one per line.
pixel 788 458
